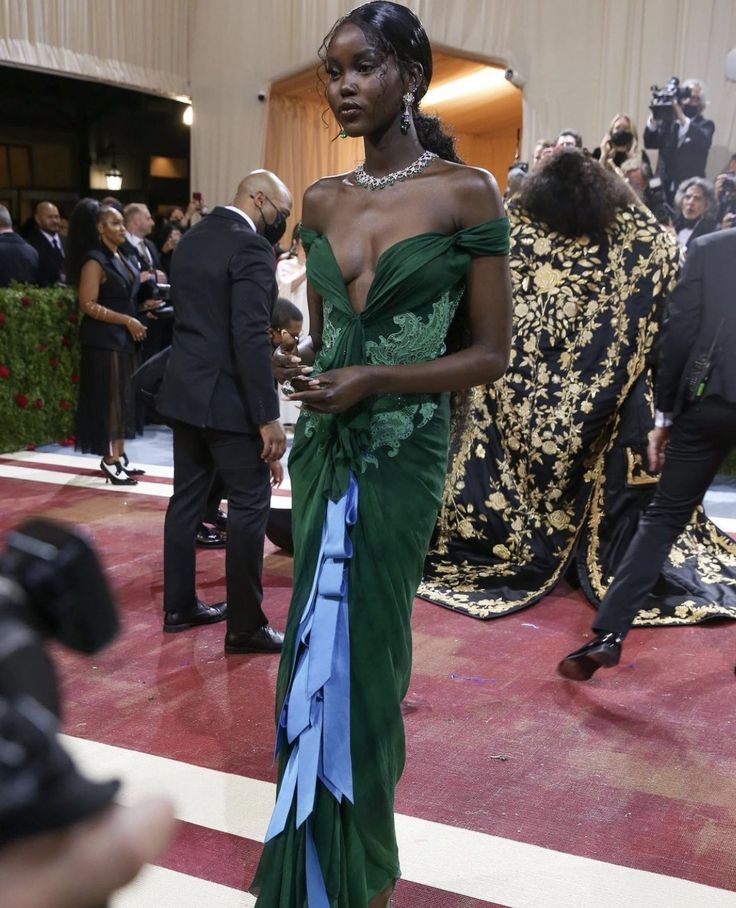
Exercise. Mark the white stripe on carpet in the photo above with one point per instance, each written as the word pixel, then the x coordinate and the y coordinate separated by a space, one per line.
pixel 76 481
pixel 157 887
pixel 472 864
pixel 84 461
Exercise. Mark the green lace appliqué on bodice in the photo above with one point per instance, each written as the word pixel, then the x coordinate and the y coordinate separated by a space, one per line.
pixel 330 334
pixel 418 339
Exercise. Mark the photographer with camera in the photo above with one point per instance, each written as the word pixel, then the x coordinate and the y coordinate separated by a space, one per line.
pixel 648 189
pixel 725 188
pixel 695 431
pixel 63 843
pixel 679 130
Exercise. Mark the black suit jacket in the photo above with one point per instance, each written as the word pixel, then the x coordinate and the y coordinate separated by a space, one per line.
pixel 130 251
pixel 224 283
pixel 701 309
pixel 147 289
pixel 18 260
pixel 704 226
pixel 51 263
pixel 676 164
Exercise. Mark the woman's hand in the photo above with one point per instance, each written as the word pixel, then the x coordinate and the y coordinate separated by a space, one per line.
pixel 136 329
pixel 337 390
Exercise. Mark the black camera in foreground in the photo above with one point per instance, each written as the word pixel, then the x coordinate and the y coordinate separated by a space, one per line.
pixel 663 99
pixel 51 587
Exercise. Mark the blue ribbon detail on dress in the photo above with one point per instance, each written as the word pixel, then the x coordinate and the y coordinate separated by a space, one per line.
pixel 315 719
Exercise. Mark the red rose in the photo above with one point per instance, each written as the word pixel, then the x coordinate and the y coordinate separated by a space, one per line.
pixel 65 341
pixel 21 400
pixel 75 378
pixel 38 403
pixel 64 404
pixel 2 318
pixel 41 348
pixel 67 442
pixel 73 318
pixel 26 301
pixel 53 362
pixel 30 446
pixel 4 372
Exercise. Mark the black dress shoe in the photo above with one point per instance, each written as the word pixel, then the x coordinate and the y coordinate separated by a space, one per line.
pixel 604 651
pixel 211 537
pixel 202 614
pixel 220 519
pixel 263 640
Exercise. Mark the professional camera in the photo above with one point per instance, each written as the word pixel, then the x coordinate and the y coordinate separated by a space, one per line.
pixel 663 99
pixel 51 586
pixel 656 200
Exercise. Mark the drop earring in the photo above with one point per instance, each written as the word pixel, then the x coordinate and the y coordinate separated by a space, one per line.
pixel 405 121
pixel 342 134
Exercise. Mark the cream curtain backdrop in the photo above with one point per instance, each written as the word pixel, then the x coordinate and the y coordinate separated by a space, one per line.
pixel 582 61
pixel 139 44
pixel 300 146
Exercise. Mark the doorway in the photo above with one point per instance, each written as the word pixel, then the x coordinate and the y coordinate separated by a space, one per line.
pixel 472 98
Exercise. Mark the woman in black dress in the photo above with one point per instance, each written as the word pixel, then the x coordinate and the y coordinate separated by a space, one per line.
pixel 107 287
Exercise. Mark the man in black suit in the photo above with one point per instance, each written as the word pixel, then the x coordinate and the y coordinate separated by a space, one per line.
pixel 143 252
pixel 45 238
pixel 695 424
pixel 684 141
pixel 219 395
pixel 18 260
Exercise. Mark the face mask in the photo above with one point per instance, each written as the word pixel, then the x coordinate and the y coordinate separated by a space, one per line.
pixel 273 232
pixel 622 137
pixel 690 110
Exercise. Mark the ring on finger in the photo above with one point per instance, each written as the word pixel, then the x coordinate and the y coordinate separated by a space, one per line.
pixel 287 387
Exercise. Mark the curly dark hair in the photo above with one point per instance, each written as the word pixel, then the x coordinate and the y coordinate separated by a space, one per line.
pixel 397 32
pixel 574 195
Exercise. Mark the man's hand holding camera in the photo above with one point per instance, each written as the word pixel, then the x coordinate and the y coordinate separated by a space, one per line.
pixel 287 364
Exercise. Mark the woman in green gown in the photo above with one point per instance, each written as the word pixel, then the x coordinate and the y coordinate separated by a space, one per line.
pixel 398 250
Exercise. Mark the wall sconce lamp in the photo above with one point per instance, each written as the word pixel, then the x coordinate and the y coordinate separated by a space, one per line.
pixel 187 118
pixel 114 178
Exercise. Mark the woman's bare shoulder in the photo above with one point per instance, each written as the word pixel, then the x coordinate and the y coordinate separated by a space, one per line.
pixel 474 193
pixel 319 199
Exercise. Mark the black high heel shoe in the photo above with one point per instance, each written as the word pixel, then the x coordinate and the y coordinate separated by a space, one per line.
pixel 114 473
pixel 125 464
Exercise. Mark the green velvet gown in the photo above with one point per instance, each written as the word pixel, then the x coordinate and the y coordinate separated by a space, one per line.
pixel 396 449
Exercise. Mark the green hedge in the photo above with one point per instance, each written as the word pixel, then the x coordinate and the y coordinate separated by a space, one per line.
pixel 39 365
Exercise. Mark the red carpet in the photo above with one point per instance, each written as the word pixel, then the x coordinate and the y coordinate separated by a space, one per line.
pixel 634 768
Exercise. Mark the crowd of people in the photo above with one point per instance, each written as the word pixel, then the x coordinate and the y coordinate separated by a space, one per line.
pixel 676 191
pixel 422 286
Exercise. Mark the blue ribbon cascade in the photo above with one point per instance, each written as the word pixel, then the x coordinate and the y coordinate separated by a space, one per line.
pixel 315 719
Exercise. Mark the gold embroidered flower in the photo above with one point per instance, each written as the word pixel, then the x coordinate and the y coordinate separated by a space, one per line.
pixel 547 278
pixel 500 551
pixel 559 520
pixel 497 501
pixel 542 245
pixel 465 529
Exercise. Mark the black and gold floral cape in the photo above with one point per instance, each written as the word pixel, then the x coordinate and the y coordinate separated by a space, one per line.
pixel 549 474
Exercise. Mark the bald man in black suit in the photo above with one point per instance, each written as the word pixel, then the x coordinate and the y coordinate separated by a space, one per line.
pixel 219 395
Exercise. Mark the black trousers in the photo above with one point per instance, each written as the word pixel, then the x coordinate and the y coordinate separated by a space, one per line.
pixel 702 437
pixel 215 495
pixel 198 453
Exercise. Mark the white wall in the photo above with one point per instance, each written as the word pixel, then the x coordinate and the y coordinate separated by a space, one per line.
pixel 583 60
